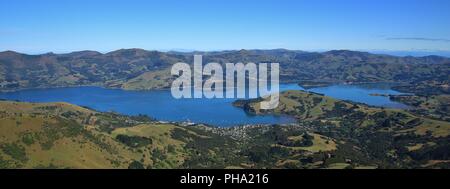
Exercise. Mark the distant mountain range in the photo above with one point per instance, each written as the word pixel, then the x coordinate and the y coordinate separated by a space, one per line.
pixel 138 69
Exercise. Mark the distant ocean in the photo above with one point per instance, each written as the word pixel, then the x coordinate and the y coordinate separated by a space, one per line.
pixel 413 53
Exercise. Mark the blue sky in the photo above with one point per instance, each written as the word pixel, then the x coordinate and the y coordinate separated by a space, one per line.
pixel 32 26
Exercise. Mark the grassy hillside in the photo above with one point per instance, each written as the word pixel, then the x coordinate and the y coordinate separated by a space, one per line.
pixel 39 135
pixel 149 80
pixel 394 138
pixel 329 134
pixel 60 135
pixel 434 106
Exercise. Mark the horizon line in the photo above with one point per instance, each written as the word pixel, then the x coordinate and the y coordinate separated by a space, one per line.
pixel 181 50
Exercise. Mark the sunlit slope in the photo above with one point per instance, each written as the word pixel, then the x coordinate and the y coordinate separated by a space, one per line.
pixel 392 137
pixel 310 106
pixel 61 135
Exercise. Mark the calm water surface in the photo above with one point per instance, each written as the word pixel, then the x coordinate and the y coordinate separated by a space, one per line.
pixel 162 106
pixel 363 93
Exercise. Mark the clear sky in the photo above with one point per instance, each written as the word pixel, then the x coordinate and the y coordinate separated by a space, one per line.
pixel 37 26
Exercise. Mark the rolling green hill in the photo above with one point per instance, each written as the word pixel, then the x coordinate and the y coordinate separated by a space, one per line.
pixel 392 137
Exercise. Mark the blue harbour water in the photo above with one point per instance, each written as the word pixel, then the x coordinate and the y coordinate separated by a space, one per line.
pixel 160 104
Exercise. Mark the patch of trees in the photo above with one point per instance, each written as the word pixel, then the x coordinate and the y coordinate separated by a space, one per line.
pixel 438 152
pixel 134 141
pixel 68 114
pixel 280 136
pixel 142 118
pixel 16 151
pixel 340 109
pixel 265 154
pixel 181 135
pixel 136 165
